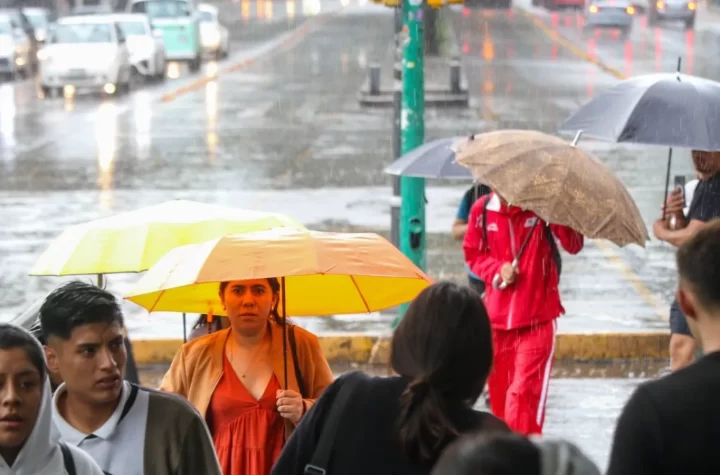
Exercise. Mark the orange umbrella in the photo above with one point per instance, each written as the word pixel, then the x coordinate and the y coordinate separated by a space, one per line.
pixel 324 273
pixel 321 273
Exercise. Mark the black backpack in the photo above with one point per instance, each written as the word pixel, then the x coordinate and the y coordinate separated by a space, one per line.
pixel 548 234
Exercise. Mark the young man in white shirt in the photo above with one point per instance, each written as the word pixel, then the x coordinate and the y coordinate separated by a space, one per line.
pixel 127 429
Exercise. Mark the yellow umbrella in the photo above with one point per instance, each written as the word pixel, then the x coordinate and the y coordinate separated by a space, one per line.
pixel 135 240
pixel 322 273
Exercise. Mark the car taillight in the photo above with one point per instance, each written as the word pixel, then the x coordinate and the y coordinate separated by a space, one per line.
pixel 630 10
pixel 593 9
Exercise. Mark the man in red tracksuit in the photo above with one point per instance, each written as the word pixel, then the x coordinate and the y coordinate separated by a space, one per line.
pixel 523 315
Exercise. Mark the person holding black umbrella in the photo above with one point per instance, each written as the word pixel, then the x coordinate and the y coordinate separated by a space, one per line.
pixel 676 228
pixel 460 226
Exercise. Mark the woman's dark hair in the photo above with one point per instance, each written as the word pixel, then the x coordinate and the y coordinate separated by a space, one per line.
pixel 490 454
pixel 444 346
pixel 12 337
pixel 274 286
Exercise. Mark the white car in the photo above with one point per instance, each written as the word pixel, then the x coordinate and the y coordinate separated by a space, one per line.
pixel 147 50
pixel 214 37
pixel 14 49
pixel 85 52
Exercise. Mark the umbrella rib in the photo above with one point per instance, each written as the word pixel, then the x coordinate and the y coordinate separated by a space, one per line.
pixel 362 297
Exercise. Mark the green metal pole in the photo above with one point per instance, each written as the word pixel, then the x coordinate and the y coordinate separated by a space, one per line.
pixel 412 126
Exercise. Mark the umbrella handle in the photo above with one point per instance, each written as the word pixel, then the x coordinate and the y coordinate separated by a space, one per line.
pixel 503 285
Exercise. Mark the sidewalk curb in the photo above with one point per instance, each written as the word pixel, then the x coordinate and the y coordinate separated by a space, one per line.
pixel 375 349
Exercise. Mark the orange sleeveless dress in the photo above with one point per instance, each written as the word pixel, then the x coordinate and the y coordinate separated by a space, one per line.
pixel 249 434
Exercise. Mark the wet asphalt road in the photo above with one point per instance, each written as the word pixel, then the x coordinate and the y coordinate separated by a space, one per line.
pixel 286 133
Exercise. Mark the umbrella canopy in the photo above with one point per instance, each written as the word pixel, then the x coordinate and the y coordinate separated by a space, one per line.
pixel 434 159
pixel 673 110
pixel 324 273
pixel 135 240
pixel 559 182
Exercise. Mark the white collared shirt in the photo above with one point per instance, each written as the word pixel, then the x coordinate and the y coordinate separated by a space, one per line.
pixel 118 445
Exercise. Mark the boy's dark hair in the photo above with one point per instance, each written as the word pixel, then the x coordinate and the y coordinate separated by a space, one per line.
pixel 76 304
pixel 698 264
pixel 490 454
pixel 12 337
pixel 443 345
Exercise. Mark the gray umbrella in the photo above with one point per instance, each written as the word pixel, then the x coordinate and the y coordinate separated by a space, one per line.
pixel 431 160
pixel 670 109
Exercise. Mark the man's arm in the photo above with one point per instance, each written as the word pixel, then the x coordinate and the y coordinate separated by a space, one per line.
pixel 571 240
pixel 459 228
pixel 676 237
pixel 198 451
pixel 637 444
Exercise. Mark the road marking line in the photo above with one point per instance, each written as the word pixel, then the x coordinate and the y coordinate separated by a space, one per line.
pixel 660 307
pixel 564 42
pixel 292 40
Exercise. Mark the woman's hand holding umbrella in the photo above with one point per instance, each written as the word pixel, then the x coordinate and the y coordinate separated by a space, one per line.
pixel 290 405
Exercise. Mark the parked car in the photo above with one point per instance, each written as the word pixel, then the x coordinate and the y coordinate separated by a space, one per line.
pixel 147 51
pixel 214 36
pixel 101 9
pixel 678 10
pixel 179 21
pixel 85 52
pixel 15 50
pixel 609 14
pixel 22 21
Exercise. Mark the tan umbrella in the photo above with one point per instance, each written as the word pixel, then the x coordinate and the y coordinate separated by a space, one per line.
pixel 558 181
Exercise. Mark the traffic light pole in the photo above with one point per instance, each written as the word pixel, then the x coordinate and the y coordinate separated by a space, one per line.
pixel 396 139
pixel 412 126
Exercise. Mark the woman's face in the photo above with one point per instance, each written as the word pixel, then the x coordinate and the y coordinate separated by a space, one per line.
pixel 248 304
pixel 21 390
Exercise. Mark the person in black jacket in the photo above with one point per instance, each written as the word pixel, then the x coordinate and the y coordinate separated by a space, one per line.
pixel 670 426
pixel 442 353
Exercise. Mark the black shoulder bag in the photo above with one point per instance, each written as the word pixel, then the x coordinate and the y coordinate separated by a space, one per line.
pixel 323 450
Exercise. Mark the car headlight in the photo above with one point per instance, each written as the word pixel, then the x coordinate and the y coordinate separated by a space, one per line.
pixel 211 38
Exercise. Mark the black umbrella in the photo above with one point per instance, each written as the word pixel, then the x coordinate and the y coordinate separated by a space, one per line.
pixel 434 159
pixel 670 109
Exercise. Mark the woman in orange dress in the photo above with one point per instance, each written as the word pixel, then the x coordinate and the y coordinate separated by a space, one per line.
pixel 234 378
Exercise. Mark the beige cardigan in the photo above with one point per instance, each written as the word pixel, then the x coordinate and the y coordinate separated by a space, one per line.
pixel 197 368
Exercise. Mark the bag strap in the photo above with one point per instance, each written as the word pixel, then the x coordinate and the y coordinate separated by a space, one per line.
pixel 298 372
pixel 484 224
pixel 68 460
pixel 323 450
pixel 554 249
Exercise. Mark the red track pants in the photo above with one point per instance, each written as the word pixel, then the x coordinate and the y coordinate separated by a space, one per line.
pixel 519 381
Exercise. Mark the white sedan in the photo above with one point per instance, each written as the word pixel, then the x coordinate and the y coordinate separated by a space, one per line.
pixel 214 37
pixel 85 52
pixel 147 50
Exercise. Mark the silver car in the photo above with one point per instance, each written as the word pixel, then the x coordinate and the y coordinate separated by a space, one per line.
pixel 678 10
pixel 609 14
